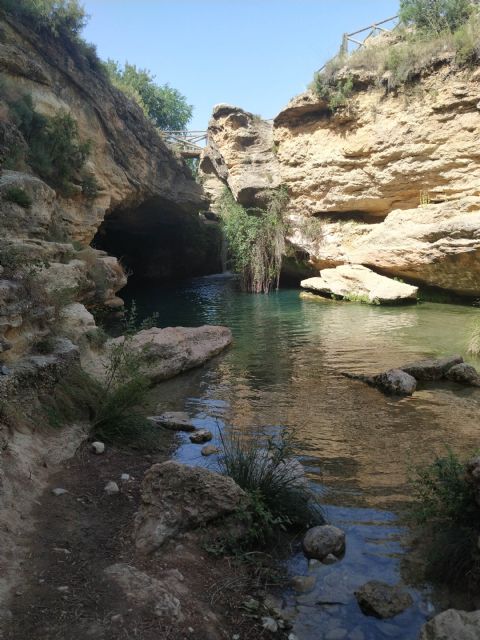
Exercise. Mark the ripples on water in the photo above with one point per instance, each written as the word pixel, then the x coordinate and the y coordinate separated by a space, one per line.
pixel 285 369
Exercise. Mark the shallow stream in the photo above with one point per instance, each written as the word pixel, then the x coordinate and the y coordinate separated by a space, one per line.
pixel 284 368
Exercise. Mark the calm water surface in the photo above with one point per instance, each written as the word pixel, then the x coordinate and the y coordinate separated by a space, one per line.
pixel 284 368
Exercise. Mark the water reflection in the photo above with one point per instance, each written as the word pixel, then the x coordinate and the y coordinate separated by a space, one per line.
pixel 285 369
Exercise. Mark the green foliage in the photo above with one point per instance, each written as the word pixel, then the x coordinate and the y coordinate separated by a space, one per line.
pixel 90 186
pixel 336 92
pixel 435 16
pixel 359 297
pixel 279 498
pixel 256 240
pixel 60 17
pixel 404 61
pixel 164 105
pixel 54 149
pixel 445 507
pixel 118 416
pixel 18 196
pixel 97 337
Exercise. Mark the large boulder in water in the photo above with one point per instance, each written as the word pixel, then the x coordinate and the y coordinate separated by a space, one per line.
pixel 177 498
pixel 432 368
pixel 356 282
pixel 452 625
pixel 464 373
pixel 395 382
pixel 319 542
pixel 382 600
pixel 167 352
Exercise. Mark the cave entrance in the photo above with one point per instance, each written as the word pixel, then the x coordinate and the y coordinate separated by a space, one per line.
pixel 159 242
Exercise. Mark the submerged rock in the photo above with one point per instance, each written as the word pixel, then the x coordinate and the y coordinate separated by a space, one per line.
pixel 464 373
pixel 358 283
pixel 178 498
pixel 209 450
pixel 396 382
pixel 452 625
pixel 382 600
pixel 321 541
pixel 302 584
pixel 174 420
pixel 432 368
pixel 201 436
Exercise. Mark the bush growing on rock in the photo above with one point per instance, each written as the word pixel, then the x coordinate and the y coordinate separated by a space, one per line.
pixel 446 509
pixel 18 196
pixel 435 16
pixel 164 105
pixel 279 496
pixel 256 240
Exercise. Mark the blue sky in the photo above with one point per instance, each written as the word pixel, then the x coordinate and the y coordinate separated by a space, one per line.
pixel 256 54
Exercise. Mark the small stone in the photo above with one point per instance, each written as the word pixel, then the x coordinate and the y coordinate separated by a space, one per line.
pixel 125 477
pixel 302 584
pixel 191 630
pixel 117 618
pixel 330 559
pixel 236 636
pixel 321 541
pixel 382 600
pixel 111 488
pixel 63 589
pixel 209 449
pixel 201 436
pixel 292 636
pixel 59 491
pixel 5 371
pixel 269 624
pixel 98 447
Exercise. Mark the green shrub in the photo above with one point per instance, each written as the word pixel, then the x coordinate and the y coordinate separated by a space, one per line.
pixel 97 337
pixel 256 240
pixel 335 92
pixel 18 196
pixel 279 498
pixel 446 509
pixel 164 105
pixel 435 16
pixel 54 149
pixel 60 17
pixel 90 186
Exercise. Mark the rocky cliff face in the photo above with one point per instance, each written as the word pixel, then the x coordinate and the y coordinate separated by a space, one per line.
pixel 390 182
pixel 145 210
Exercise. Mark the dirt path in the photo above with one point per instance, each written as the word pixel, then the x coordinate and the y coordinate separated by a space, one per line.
pixel 64 593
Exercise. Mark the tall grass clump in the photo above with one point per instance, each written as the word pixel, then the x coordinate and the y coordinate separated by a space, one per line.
pixel 447 513
pixel 473 347
pixel 279 496
pixel 119 416
pixel 256 240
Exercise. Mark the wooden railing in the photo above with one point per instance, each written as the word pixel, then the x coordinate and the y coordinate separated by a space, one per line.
pixel 384 26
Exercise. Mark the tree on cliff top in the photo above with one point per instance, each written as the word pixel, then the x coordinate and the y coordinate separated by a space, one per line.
pixel 62 17
pixel 435 16
pixel 164 105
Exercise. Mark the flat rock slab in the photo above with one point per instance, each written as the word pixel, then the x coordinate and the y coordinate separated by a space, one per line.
pixel 395 382
pixel 452 625
pixel 167 352
pixel 382 600
pixel 143 590
pixel 173 420
pixel 358 283
pixel 432 368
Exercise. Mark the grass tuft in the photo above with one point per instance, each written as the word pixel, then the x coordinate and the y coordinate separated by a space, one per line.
pixel 280 498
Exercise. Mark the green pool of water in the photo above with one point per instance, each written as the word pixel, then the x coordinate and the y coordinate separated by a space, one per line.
pixel 285 368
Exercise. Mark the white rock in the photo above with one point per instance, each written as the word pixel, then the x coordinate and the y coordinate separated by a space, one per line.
pixel 63 589
pixel 111 488
pixel 269 624
pixel 125 477
pixel 98 447
pixel 59 491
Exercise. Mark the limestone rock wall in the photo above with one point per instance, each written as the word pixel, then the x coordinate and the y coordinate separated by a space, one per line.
pixel 392 181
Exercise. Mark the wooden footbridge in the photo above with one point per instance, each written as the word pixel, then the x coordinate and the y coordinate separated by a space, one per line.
pixel 190 144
